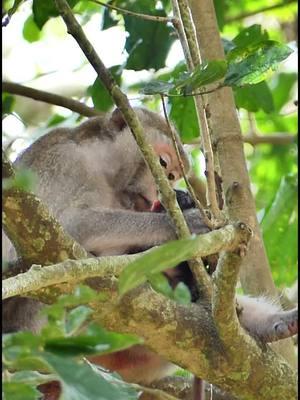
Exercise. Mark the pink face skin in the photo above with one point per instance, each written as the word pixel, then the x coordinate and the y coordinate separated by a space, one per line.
pixel 168 160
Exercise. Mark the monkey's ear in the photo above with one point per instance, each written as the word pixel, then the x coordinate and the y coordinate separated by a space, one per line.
pixel 117 120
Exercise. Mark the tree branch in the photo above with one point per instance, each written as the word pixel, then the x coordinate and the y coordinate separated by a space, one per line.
pixel 50 98
pixel 74 271
pixel 278 139
pixel 190 42
pixel 258 11
pixel 146 17
pixel 228 141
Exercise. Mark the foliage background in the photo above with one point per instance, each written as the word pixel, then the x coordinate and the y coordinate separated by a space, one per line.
pixel 38 53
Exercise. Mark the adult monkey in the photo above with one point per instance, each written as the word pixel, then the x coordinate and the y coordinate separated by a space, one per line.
pixel 95 181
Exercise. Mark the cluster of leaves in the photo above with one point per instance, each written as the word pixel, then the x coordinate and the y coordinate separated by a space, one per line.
pixel 250 57
pixel 55 352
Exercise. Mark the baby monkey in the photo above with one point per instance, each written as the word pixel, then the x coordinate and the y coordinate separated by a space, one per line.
pixel 95 181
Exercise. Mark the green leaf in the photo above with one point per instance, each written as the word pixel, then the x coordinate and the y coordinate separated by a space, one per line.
pixel 19 391
pixel 96 341
pixel 76 318
pixel 43 10
pixel 182 294
pixel 14 7
pixel 161 285
pixel 109 18
pixel 24 179
pixel 157 260
pixel 253 63
pixel 31 32
pixel 183 114
pixel 8 102
pixel 279 228
pixel 55 119
pixel 220 10
pixel 204 74
pixel 283 85
pixel 148 42
pixel 254 97
pixel 100 96
pixel 157 87
pixel 29 377
pixel 81 382
pixel 251 35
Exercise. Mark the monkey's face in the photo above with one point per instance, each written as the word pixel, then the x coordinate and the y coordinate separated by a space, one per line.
pixel 169 161
pixel 148 191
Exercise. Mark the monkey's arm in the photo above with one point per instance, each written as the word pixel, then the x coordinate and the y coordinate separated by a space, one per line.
pixel 103 231
pixel 265 320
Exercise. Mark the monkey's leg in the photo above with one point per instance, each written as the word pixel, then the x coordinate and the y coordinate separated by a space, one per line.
pixel 265 320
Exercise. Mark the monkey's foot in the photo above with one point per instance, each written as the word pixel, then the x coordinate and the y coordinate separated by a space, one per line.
pixel 284 324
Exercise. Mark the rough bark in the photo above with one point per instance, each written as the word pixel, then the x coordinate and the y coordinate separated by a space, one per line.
pixel 227 141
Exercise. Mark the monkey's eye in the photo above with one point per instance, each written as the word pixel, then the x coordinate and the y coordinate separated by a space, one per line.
pixel 171 177
pixel 163 162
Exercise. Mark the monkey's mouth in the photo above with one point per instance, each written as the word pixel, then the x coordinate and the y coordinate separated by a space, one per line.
pixel 142 203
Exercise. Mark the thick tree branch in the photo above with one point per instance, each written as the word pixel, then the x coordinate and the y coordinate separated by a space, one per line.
pixel 230 237
pixel 50 98
pixel 228 143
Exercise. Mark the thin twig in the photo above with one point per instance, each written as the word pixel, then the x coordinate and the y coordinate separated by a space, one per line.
pixel 219 86
pixel 181 35
pixel 196 265
pixel 276 139
pixel 147 17
pixel 50 98
pixel 258 11
pixel 206 220
pixel 191 39
pixel 270 139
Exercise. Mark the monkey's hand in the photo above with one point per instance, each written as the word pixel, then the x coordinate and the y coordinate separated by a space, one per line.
pixel 195 221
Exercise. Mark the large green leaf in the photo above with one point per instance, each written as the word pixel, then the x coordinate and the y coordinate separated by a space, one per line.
pixel 81 382
pixel 157 87
pixel 251 35
pixel 19 391
pixel 43 10
pixel 204 74
pixel 148 42
pixel 253 63
pixel 282 87
pixel 254 97
pixel 279 227
pixel 183 114
pixel 31 31
pixel 100 96
pixel 160 283
pixel 95 341
pixel 157 260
